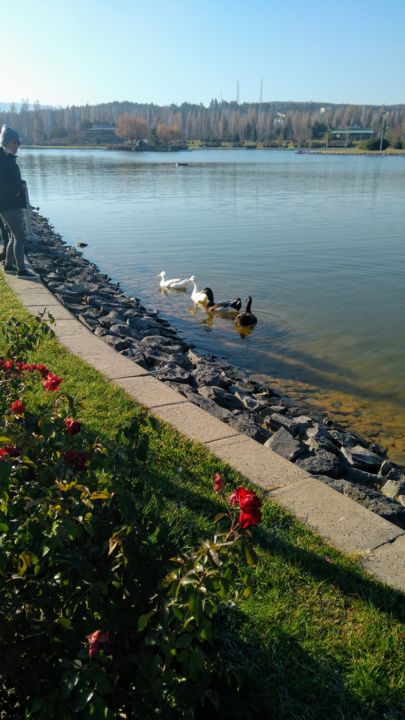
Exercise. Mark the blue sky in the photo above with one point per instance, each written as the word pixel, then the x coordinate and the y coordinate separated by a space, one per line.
pixel 174 51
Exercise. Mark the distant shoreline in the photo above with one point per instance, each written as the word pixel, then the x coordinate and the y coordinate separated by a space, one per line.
pixel 390 152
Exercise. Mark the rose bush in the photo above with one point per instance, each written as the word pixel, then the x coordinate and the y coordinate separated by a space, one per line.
pixel 79 551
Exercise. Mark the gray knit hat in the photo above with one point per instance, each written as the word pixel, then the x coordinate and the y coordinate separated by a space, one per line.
pixel 7 135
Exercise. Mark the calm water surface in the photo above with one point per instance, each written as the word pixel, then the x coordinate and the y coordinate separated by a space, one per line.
pixel 317 241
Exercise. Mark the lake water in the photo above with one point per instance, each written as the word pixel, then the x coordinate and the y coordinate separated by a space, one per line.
pixel 317 241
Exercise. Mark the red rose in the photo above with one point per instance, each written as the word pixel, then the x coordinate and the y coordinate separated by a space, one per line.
pixel 249 502
pixel 72 426
pixel 17 407
pixel 8 364
pixel 247 519
pixel 76 458
pixel 41 368
pixel 249 505
pixel 96 639
pixel 218 482
pixel 9 451
pixel 52 382
pixel 235 497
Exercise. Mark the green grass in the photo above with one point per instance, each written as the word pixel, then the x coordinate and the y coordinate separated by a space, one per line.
pixel 317 638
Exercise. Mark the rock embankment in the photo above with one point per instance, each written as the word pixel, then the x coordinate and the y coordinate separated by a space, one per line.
pixel 342 459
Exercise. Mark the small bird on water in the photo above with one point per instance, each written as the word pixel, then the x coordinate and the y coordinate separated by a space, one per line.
pixel 223 307
pixel 173 284
pixel 198 296
pixel 246 318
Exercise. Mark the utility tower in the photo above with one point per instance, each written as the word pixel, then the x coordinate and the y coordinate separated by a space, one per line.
pixel 261 91
pixel 237 92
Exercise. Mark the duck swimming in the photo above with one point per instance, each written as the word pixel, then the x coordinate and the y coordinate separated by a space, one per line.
pixel 246 319
pixel 173 284
pixel 198 296
pixel 223 307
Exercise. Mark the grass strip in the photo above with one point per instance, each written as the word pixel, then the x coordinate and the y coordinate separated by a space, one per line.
pixel 317 637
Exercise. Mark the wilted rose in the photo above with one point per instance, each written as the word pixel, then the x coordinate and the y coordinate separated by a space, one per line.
pixel 76 459
pixel 218 482
pixel 52 382
pixel 96 639
pixel 17 407
pixel 72 426
pixel 41 369
pixel 8 451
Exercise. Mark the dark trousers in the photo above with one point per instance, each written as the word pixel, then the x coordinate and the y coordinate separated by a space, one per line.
pixel 14 221
pixel 4 237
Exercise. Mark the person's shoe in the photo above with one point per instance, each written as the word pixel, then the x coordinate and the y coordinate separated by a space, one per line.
pixel 25 273
pixel 10 269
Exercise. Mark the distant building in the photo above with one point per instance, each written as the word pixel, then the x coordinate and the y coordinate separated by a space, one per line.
pixel 353 133
pixel 99 133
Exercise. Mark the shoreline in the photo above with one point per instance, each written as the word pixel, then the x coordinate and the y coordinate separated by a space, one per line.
pixel 339 457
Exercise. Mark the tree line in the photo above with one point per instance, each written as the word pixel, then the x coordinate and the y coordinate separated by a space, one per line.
pixel 270 123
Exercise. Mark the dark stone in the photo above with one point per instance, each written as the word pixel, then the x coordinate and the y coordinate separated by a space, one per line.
pixel 204 375
pixel 283 443
pixel 112 318
pixel 243 423
pixel 147 326
pixel 89 321
pixel 221 396
pixel 362 458
pixel 386 466
pixel 372 500
pixel 362 477
pixel 173 373
pixel 278 409
pixel 319 437
pixel 276 421
pixel 343 438
pixel 299 424
pixel 117 343
pixel 120 330
pixel 322 462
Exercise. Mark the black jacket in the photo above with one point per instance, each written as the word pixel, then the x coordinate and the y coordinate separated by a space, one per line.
pixel 12 194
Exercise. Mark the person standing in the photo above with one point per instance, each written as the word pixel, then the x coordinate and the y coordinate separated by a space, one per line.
pixel 12 201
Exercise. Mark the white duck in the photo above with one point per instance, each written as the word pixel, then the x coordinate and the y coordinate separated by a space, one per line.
pixel 197 296
pixel 173 284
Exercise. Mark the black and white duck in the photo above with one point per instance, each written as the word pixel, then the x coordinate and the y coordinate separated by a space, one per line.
pixel 227 306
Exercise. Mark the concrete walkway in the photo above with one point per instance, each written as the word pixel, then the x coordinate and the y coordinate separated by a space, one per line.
pixel 345 524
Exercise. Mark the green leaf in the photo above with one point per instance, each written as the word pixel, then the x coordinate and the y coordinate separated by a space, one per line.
pixel 5 470
pixel 98 709
pixel 65 623
pixel 82 698
pixel 183 641
pixel 100 495
pixel 220 516
pixel 250 555
pixel 36 705
pixel 24 562
pixel 143 620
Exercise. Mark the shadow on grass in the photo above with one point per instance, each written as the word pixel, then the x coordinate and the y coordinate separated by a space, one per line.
pixel 327 564
pixel 281 681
